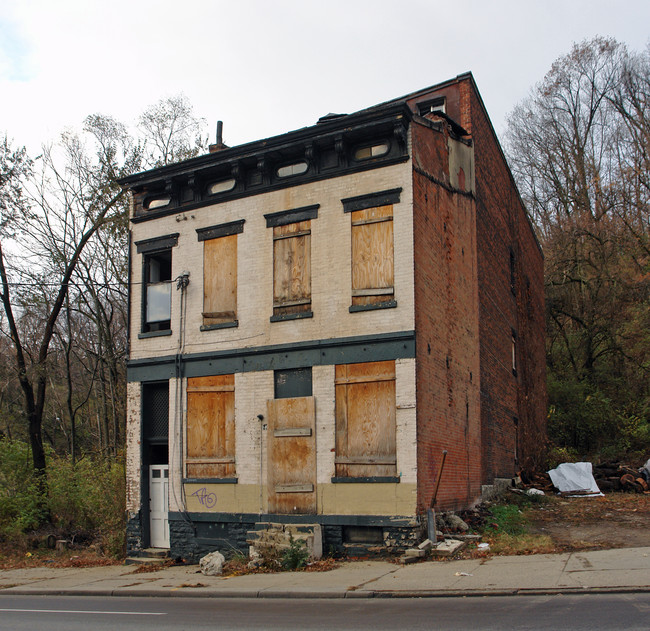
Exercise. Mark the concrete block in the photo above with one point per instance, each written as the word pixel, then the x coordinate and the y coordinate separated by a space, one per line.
pixel 448 548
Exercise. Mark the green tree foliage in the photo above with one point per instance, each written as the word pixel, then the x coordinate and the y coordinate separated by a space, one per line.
pixel 578 147
pixel 85 501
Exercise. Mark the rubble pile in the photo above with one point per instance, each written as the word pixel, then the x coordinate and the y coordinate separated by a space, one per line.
pixel 614 476
pixel 609 476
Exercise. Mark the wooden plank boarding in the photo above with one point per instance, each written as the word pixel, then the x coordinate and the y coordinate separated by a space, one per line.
pixel 372 255
pixel 292 268
pixel 220 280
pixel 211 426
pixel 291 455
pixel 365 419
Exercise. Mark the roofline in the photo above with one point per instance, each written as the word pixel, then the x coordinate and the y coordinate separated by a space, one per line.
pixel 392 108
pixel 470 76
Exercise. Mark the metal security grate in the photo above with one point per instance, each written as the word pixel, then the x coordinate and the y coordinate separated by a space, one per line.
pixel 155 411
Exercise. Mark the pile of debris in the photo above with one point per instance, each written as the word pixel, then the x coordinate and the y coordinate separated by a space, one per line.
pixel 614 476
pixel 451 537
pixel 609 476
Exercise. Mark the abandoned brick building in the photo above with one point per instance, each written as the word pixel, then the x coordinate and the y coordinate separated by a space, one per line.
pixel 316 316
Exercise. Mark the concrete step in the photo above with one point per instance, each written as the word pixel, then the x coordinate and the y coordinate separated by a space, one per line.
pixel 149 556
pixel 155 553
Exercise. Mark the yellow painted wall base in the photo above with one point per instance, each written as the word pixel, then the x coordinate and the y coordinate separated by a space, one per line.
pixel 332 499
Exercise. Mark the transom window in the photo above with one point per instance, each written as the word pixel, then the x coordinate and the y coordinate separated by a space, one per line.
pixel 221 186
pixel 293 169
pixel 157 202
pixel 374 151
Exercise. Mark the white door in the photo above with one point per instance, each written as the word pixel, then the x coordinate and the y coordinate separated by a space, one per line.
pixel 159 505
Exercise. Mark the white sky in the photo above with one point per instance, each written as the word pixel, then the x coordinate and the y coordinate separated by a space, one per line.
pixel 265 67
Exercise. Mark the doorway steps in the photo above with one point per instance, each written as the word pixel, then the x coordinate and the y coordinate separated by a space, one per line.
pixel 149 556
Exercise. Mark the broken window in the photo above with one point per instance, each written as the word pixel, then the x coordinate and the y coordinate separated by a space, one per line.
pixel 211 427
pixel 372 257
pixel 158 291
pixel 365 420
pixel 220 274
pixel 433 105
pixel 156 283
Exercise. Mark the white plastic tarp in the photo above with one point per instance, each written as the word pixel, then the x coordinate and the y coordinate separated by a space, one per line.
pixel 570 477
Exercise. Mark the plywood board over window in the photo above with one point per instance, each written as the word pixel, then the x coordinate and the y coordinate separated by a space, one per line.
pixel 365 419
pixel 220 280
pixel 292 268
pixel 211 427
pixel 372 255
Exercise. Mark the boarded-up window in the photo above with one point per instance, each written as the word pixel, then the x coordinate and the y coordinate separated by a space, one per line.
pixel 220 280
pixel 372 256
pixel 211 427
pixel 292 268
pixel 365 419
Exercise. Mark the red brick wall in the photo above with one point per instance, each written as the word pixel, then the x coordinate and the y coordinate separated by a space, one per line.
pixel 501 225
pixel 446 324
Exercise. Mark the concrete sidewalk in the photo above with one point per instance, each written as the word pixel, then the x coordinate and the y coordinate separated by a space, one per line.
pixel 620 570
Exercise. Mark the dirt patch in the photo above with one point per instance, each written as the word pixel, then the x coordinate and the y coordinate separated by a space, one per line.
pixel 618 520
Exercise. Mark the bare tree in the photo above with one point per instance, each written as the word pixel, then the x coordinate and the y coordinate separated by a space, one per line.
pixel 171 131
pixel 578 147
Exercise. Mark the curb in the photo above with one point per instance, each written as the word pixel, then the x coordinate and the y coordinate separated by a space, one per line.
pixel 354 594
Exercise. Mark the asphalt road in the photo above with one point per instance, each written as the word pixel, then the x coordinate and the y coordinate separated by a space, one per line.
pixel 592 612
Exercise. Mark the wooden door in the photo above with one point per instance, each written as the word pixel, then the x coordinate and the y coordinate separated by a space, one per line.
pixel 292 455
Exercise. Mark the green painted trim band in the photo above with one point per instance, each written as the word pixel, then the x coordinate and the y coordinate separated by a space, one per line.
pixel 285 217
pixel 381 198
pixel 157 243
pixel 221 230
pixel 347 350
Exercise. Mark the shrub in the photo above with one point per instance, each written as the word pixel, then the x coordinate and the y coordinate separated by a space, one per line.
pixel 21 508
pixel 85 501
pixel 296 555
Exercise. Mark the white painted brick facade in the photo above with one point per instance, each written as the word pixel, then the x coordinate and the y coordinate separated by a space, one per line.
pixel 330 262
pixel 331 299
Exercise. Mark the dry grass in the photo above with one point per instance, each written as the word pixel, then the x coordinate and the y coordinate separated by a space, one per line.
pixel 49 558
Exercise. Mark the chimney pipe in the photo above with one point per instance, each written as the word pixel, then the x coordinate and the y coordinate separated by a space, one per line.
pixel 219 144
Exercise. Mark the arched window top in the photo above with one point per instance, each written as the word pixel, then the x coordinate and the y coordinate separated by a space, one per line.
pixel 153 203
pixel 295 168
pixel 372 151
pixel 221 186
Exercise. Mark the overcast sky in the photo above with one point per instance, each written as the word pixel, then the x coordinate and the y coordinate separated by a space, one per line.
pixel 265 67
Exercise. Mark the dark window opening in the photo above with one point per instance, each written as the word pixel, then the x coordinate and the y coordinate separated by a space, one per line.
pixel 155 418
pixel 363 534
pixel 434 105
pixel 292 383
pixel 157 291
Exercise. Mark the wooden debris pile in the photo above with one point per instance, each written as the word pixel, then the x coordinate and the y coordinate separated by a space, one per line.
pixel 614 476
pixel 610 476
